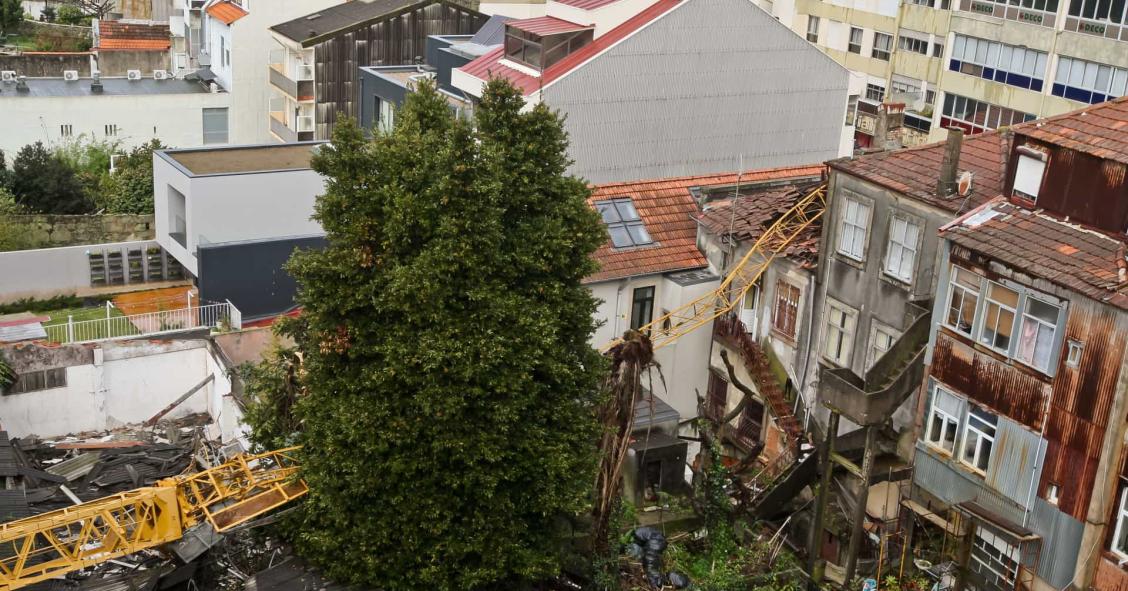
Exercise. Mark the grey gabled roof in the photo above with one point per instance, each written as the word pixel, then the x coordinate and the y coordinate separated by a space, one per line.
pixel 315 27
pixel 491 33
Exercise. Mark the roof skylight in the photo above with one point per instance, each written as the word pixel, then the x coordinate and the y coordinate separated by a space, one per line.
pixel 623 223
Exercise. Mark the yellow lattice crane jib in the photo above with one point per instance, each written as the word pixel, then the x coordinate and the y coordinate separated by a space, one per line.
pixel 52 544
pixel 669 327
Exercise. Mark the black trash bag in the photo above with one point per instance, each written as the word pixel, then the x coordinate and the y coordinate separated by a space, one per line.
pixel 652 562
pixel 656 544
pixel 633 550
pixel 646 533
pixel 655 579
pixel 677 580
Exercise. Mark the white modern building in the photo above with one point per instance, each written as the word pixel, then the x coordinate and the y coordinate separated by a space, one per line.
pixel 55 110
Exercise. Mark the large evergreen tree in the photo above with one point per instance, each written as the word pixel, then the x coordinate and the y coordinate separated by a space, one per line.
pixel 450 389
pixel 45 183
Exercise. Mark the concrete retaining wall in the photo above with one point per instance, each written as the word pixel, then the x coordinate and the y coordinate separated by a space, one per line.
pixel 46 64
pixel 48 272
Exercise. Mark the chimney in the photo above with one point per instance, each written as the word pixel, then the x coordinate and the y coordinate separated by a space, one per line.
pixel 946 185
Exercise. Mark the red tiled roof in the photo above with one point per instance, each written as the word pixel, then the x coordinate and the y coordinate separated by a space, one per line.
pixel 1068 255
pixel 489 65
pixel 547 25
pixel 914 171
pixel 227 11
pixel 1100 130
pixel 667 208
pixel 587 4
pixel 757 211
pixel 118 35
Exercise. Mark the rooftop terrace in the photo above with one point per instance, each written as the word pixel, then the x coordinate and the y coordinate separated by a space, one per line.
pixel 242 159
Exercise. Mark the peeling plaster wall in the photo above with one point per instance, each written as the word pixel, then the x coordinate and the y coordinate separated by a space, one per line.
pixel 116 383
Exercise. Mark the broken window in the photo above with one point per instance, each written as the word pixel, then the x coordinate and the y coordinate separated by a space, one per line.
pixel 901 254
pixel 963 297
pixel 998 317
pixel 1036 340
pixel 943 421
pixel 623 223
pixel 840 324
pixel 786 309
pixel 979 439
pixel 855 224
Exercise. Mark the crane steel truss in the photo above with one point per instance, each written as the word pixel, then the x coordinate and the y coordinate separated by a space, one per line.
pixel 668 328
pixel 55 543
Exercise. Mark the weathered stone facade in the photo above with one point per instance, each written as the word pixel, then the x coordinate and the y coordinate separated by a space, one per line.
pixel 47 231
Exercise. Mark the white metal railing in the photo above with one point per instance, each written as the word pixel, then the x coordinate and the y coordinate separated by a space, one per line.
pixel 304 72
pixel 224 315
pixel 305 123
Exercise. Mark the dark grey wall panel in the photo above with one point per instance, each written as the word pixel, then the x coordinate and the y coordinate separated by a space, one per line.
pixel 250 274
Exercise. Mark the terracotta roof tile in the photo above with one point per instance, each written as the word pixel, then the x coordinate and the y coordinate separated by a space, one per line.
pixel 668 209
pixel 914 171
pixel 227 11
pixel 1100 130
pixel 1073 257
pixel 756 212
pixel 119 35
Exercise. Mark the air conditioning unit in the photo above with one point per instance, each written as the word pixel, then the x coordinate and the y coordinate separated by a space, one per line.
pixel 70 75
pixel 133 74
pixel 8 76
pixel 160 75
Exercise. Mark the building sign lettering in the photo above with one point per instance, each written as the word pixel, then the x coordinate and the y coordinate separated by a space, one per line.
pixel 1030 17
pixel 1093 28
pixel 982 8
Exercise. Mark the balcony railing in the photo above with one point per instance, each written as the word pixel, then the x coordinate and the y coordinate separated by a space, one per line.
pixel 279 128
pixel 305 123
pixel 224 315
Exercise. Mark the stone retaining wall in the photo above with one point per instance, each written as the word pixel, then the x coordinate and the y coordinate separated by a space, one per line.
pixel 48 231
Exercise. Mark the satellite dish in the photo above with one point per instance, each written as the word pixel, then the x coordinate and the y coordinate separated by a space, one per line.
pixel 963 184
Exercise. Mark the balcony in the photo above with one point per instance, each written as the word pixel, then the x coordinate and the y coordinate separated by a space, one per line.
pixel 873 399
pixel 294 79
pixel 286 131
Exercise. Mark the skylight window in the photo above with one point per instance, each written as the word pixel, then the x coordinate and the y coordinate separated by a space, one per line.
pixel 623 223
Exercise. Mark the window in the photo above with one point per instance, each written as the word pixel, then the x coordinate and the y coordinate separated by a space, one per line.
pixel 1073 358
pixel 66 130
pixel 963 297
pixel 223 51
pixel 623 223
pixel 994 558
pixel 111 129
pixel 913 43
pixel 991 60
pixel 1028 176
pixel 840 323
pixel 215 125
pixel 786 309
pixel 385 115
pixel 901 254
pixel 813 29
pixel 34 381
pixel 881 340
pixel 882 45
pixel 875 92
pixel 903 85
pixel 851 109
pixel 540 52
pixel 943 421
pixel 642 307
pixel 977 116
pixel 1088 82
pixel 1053 493
pixel 1049 6
pixel 979 438
pixel 1036 339
pixel 1099 10
pixel 1120 535
pixel 855 45
pixel 937 50
pixel 998 317
pixel 930 97
pixel 855 223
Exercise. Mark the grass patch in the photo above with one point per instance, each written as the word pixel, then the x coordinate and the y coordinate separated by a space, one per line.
pixel 117 326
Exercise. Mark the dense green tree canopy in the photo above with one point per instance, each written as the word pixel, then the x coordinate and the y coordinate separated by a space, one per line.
pixel 448 414
pixel 44 182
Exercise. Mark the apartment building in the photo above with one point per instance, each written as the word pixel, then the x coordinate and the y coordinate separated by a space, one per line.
pixel 975 64
pixel 1021 450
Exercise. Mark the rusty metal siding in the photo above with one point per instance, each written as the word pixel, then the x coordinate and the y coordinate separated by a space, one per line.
pixel 1081 404
pixel 1085 188
pixel 398 39
pixel 1004 389
pixel 1016 461
pixel 952 485
pixel 1061 543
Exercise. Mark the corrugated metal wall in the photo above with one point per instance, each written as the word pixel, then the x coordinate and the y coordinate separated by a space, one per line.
pixel 1061 542
pixel 954 486
pixel 710 81
pixel 1016 461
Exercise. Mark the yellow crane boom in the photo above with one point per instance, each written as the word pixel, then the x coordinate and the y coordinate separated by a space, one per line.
pixel 671 326
pixel 51 544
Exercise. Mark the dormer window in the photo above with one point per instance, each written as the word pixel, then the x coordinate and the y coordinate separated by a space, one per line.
pixel 541 42
pixel 1029 172
pixel 623 223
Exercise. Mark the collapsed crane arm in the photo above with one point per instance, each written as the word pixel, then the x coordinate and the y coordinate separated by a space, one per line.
pixel 669 327
pixel 55 543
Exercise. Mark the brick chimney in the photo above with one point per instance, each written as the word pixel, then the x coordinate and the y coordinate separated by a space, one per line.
pixel 949 168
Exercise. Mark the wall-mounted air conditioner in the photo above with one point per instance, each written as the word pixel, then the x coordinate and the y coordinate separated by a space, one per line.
pixel 70 75
pixel 8 76
pixel 133 74
pixel 160 75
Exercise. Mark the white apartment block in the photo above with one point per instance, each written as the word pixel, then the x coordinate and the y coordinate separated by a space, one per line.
pixel 976 64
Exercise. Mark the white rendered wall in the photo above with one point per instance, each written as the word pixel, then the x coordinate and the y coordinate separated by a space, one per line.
pixel 48 272
pixel 175 119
